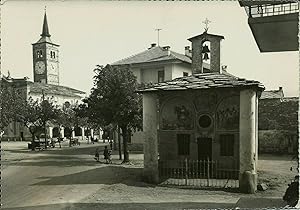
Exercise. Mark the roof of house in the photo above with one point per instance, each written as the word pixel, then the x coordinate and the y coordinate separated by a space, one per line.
pixel 203 81
pixel 36 87
pixel 272 94
pixel 155 54
pixel 290 99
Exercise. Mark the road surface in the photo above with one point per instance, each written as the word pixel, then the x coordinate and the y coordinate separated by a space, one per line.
pixel 69 178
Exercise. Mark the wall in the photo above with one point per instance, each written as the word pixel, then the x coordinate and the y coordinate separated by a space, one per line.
pixel 278 125
pixel 137 73
pixel 277 141
pixel 150 74
pixel 276 114
pixel 179 114
pixel 178 70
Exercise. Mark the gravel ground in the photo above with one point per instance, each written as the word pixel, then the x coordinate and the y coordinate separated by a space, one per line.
pixel 69 178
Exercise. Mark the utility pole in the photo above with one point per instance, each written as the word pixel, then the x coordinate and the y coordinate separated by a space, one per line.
pixel 158 29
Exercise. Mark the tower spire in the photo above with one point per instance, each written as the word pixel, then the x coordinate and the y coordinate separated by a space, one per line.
pixel 45 31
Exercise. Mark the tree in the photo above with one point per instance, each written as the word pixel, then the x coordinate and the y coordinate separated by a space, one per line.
pixel 114 100
pixel 10 103
pixel 35 115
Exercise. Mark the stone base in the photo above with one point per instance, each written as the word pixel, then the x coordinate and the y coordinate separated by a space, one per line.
pixel 248 182
pixel 150 176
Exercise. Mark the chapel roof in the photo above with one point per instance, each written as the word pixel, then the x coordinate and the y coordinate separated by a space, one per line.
pixel 203 81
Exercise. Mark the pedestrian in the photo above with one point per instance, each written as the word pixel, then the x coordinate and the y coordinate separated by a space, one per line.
pixel 106 154
pixel 97 154
pixel 109 156
pixel 92 140
pixel 110 144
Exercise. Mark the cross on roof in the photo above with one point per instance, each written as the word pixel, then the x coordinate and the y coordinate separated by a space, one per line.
pixel 206 22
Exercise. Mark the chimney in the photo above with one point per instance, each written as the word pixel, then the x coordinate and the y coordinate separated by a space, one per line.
pixel 280 88
pixel 167 48
pixel 152 45
pixel 187 51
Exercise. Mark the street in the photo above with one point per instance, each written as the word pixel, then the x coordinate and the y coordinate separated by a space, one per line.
pixel 69 178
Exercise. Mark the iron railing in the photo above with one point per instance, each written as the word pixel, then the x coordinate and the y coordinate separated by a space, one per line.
pixel 199 173
pixel 271 10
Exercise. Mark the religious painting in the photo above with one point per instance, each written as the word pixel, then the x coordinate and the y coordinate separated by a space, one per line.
pixel 228 114
pixel 177 115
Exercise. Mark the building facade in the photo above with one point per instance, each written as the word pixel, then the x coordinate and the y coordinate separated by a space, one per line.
pixel 154 65
pixel 46 84
pixel 209 116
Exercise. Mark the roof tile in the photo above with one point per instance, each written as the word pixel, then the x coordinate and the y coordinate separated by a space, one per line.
pixel 203 81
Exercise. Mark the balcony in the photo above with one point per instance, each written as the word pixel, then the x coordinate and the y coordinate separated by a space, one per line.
pixel 273 25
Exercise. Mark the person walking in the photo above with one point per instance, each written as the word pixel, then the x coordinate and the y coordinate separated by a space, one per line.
pixel 109 156
pixel 97 154
pixel 106 154
pixel 110 143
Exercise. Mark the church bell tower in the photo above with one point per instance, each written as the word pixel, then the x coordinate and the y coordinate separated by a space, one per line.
pixel 45 58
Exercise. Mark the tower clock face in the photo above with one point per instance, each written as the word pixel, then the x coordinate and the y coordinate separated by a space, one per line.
pixel 52 68
pixel 39 67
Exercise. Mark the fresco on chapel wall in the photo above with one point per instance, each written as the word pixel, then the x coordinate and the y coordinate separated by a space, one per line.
pixel 205 101
pixel 228 113
pixel 177 114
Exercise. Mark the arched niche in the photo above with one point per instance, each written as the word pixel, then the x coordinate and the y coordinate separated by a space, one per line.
pixel 55 132
pixel 177 114
pixel 228 113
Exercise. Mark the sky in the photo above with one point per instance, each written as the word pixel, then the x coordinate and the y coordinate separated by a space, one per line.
pixel 102 32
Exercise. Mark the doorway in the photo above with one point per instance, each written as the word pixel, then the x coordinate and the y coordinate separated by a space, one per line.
pixel 204 148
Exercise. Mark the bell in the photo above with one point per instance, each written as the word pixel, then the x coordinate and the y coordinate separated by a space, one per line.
pixel 205 49
pixel 205 57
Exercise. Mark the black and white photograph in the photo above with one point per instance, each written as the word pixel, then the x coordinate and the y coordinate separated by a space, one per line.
pixel 155 105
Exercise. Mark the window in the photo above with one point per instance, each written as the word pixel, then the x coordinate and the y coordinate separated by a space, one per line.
pixel 183 144
pixel 52 54
pixel 227 144
pixel 39 53
pixel 185 74
pixel 204 121
pixel 161 76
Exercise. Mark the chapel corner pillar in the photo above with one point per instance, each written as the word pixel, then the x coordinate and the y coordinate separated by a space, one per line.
pixel 248 141
pixel 150 124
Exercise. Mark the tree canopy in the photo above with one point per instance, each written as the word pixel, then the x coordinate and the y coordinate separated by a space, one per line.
pixel 11 102
pixel 114 100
